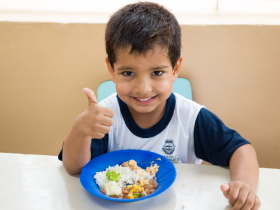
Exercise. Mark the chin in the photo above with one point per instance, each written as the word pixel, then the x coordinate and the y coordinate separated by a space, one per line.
pixel 142 110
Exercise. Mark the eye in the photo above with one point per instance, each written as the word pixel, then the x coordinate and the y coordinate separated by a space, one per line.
pixel 128 73
pixel 157 73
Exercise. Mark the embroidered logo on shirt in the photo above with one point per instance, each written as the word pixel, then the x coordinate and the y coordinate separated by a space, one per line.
pixel 168 147
pixel 173 159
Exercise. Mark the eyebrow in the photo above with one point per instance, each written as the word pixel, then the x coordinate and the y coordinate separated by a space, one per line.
pixel 127 68
pixel 159 67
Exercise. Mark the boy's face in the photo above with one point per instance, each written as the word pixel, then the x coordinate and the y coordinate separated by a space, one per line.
pixel 144 83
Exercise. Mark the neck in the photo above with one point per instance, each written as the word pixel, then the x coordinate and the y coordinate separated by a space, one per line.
pixel 147 120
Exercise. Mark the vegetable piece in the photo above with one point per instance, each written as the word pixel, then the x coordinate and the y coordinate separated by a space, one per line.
pixel 130 196
pixel 136 188
pixel 113 176
pixel 139 195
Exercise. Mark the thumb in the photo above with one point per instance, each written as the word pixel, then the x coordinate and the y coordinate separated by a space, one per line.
pixel 225 190
pixel 91 96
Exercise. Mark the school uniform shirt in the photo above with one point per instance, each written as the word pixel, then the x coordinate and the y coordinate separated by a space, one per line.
pixel 187 133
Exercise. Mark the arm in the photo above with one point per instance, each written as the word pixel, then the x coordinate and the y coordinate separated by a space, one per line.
pixel 76 150
pixel 94 122
pixel 244 171
pixel 220 145
pixel 244 166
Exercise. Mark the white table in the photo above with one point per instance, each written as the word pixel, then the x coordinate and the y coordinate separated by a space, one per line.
pixel 40 182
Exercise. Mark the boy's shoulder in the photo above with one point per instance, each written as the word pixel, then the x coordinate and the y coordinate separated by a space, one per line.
pixel 184 103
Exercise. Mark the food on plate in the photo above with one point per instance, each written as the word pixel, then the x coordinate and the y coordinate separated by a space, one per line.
pixel 127 181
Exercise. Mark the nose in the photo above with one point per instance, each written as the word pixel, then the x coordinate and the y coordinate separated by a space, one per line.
pixel 142 86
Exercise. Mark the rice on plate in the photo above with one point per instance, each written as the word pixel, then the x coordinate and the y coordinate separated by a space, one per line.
pixel 127 181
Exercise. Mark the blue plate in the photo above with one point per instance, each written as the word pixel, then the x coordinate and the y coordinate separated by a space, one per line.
pixel 165 177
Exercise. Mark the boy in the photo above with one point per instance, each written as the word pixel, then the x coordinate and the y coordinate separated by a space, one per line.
pixel 143 43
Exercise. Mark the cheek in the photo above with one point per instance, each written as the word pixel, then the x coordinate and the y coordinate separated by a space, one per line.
pixel 123 88
pixel 164 87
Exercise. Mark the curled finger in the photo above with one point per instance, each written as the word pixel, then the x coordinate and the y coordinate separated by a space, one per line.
pixel 233 194
pixel 257 204
pixel 249 201
pixel 241 200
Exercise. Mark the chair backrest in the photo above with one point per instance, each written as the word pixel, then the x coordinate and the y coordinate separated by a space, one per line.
pixel 181 86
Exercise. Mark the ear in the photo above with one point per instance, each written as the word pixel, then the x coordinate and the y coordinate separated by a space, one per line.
pixel 110 69
pixel 176 69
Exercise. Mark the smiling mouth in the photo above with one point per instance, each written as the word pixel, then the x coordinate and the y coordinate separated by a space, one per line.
pixel 145 99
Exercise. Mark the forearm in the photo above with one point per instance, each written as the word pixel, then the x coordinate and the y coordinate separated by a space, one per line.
pixel 76 150
pixel 244 166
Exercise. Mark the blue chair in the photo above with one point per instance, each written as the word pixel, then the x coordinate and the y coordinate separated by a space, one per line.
pixel 181 86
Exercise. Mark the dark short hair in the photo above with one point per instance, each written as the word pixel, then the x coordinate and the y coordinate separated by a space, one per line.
pixel 141 26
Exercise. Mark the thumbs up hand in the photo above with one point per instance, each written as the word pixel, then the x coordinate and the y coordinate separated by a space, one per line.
pixel 96 120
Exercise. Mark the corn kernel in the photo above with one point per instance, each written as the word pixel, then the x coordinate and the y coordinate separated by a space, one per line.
pixel 143 183
pixel 130 196
pixel 142 189
pixel 136 188
pixel 129 186
pixel 131 191
pixel 136 196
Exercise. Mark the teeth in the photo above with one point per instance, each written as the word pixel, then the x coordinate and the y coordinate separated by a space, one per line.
pixel 145 99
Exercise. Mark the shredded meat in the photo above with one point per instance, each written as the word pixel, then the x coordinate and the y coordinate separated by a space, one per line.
pixel 152 169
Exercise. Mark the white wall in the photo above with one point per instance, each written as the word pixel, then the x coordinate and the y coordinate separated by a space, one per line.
pixel 208 12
